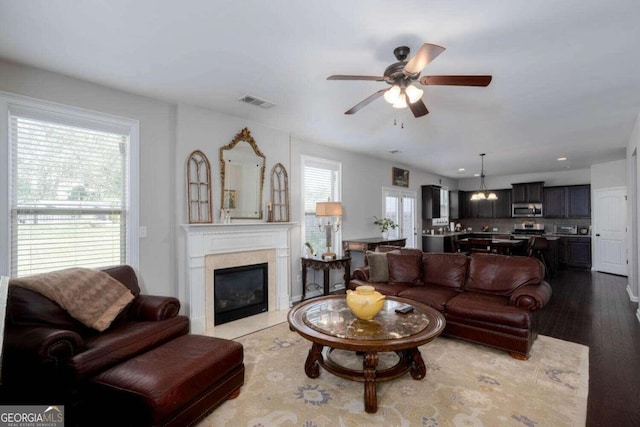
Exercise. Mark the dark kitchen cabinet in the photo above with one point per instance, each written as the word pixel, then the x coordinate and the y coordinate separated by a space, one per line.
pixel 579 252
pixel 502 206
pixel 573 201
pixel 579 201
pixel 463 204
pixel 454 205
pixel 434 243
pixel 574 252
pixel 430 201
pixel 555 202
pixel 528 192
pixel 439 243
pixel 485 208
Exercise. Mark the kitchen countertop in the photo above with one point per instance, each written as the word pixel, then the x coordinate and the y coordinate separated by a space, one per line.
pixel 553 236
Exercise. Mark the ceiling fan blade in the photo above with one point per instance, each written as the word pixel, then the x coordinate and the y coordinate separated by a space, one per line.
pixel 427 53
pixel 456 80
pixel 344 77
pixel 366 101
pixel 417 108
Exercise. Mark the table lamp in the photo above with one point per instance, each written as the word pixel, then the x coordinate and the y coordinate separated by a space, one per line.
pixel 325 211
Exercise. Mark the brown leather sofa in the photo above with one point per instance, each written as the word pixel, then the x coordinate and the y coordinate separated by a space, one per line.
pixel 485 298
pixel 51 358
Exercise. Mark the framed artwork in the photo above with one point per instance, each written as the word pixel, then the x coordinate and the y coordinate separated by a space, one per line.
pixel 400 177
pixel 229 199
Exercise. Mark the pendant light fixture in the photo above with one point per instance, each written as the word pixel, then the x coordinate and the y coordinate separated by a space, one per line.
pixel 481 194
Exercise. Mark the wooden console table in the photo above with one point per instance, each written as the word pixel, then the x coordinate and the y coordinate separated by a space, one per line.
pixel 326 265
pixel 369 244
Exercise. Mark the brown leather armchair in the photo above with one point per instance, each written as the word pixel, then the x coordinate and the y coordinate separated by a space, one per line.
pixel 49 356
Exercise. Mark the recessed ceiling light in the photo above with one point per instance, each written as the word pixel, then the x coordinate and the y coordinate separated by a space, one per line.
pixel 562 159
pixel 460 170
pixel 476 174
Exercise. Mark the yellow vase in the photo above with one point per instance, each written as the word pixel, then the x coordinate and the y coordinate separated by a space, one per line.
pixel 365 302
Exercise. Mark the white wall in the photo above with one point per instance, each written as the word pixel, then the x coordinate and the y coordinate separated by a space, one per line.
pixel 157 212
pixel 362 180
pixel 205 130
pixel 362 176
pixel 609 175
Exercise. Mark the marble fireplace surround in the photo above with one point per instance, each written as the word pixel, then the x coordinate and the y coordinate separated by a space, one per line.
pixel 212 246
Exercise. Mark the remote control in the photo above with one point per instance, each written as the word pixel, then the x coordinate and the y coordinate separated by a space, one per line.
pixel 404 309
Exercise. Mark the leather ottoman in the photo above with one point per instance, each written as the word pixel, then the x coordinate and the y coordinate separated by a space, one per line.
pixel 175 384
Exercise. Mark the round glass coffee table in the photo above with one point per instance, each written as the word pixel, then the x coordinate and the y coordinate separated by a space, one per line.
pixel 328 322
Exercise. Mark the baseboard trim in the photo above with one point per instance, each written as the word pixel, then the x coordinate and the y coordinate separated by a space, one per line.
pixel 633 298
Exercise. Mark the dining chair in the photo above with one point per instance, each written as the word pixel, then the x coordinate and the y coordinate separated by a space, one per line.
pixel 480 245
pixel 538 247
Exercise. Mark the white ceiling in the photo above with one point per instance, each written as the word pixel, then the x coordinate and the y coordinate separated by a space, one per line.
pixel 566 74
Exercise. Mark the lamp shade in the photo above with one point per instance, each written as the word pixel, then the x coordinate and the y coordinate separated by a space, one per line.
pixel 328 209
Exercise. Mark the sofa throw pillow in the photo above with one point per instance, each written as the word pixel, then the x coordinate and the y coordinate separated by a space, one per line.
pixel 378 266
pixel 404 268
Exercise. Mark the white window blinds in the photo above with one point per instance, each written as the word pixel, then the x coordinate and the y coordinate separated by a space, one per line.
pixel 68 197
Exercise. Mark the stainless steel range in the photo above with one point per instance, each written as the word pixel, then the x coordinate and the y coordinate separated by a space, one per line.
pixel 527 229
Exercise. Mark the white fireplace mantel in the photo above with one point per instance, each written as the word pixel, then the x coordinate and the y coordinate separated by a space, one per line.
pixel 213 239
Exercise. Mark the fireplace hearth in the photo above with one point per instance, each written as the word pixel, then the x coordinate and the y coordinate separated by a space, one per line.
pixel 240 292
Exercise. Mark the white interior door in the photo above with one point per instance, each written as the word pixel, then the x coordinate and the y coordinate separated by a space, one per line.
pixel 610 231
pixel 400 206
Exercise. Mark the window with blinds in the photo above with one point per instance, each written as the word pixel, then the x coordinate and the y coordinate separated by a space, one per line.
pixel 321 180
pixel 69 186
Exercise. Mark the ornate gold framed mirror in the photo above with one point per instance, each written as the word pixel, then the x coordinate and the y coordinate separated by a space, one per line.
pixel 242 173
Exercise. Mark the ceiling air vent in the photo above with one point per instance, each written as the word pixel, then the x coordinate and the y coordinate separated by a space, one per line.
pixel 256 101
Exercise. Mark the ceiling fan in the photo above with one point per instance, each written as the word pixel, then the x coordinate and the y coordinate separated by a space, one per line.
pixel 401 76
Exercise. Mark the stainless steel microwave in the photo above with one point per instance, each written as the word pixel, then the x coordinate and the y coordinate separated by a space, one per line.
pixel 526 210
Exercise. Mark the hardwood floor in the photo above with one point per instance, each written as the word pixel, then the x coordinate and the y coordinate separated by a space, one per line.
pixel 594 309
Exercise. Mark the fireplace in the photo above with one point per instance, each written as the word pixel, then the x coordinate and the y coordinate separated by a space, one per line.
pixel 240 292
pixel 210 247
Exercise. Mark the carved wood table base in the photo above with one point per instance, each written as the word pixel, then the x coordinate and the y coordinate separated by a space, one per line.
pixel 311 318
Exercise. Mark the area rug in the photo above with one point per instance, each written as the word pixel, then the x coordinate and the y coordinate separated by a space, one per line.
pixel 466 385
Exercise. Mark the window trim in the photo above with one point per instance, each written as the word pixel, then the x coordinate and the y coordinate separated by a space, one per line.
pixel 109 121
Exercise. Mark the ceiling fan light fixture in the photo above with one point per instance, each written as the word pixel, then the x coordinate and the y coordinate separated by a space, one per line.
pixel 401 102
pixel 392 95
pixel 400 75
pixel 414 93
